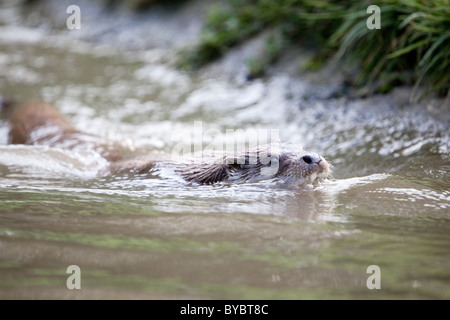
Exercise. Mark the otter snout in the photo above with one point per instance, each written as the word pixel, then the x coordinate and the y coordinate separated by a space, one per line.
pixel 315 161
pixel 312 158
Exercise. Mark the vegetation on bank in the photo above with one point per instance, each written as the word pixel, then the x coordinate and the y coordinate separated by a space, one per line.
pixel 412 46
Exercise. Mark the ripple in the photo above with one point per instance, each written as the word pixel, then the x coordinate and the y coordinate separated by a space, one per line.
pixel 46 162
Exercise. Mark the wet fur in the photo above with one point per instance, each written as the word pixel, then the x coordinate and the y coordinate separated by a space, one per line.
pixel 281 161
pixel 39 123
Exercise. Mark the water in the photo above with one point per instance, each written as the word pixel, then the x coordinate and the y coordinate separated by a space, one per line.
pixel 156 236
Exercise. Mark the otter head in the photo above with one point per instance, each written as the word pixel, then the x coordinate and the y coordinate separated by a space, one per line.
pixel 302 167
pixel 281 161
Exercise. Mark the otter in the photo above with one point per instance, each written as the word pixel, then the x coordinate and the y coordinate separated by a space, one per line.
pixel 39 123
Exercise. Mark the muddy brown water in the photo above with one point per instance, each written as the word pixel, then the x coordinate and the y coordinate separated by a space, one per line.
pixel 154 236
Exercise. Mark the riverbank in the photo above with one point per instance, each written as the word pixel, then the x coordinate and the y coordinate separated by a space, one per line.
pixel 395 43
pixel 326 43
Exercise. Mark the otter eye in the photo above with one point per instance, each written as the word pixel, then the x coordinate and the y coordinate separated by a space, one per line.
pixel 307 159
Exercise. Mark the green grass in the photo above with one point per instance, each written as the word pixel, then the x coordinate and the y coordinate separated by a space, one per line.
pixel 412 46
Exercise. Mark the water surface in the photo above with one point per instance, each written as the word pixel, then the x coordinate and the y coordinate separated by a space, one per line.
pixel 155 236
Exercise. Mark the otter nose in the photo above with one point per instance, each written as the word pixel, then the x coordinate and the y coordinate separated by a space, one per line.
pixel 311 158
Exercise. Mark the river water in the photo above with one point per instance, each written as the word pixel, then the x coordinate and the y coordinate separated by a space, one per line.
pixel 157 237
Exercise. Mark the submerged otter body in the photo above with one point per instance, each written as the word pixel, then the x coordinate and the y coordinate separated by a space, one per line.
pixel 38 123
pixel 285 162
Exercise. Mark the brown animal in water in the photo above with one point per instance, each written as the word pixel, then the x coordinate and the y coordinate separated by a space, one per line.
pixel 39 123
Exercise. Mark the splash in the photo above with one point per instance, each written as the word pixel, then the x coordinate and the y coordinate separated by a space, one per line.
pixel 47 162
